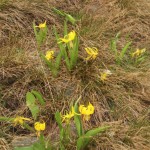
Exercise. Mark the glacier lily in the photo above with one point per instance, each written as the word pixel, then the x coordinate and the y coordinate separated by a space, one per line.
pixel 41 25
pixel 49 55
pixel 38 126
pixel 86 111
pixel 69 115
pixel 104 75
pixel 68 38
pixel 92 52
pixel 20 120
pixel 138 52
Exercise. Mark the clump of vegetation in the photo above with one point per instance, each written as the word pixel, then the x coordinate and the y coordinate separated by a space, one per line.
pixel 62 86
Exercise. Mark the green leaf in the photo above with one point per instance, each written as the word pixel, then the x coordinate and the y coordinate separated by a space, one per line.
pixel 58 119
pixel 59 122
pixel 114 45
pixel 6 119
pixel 141 59
pixel 77 119
pixel 35 31
pixel 31 103
pixel 87 137
pixel 58 11
pixel 67 16
pixel 39 97
pixel 65 28
pixel 74 52
pixel 80 143
pixel 61 46
pixel 55 32
pixel 67 60
pixel 34 110
pixel 58 60
pixel 30 99
pixel 123 51
pixel 70 18
pixel 95 131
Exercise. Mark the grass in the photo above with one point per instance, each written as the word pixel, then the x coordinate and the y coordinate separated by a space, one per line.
pixel 121 102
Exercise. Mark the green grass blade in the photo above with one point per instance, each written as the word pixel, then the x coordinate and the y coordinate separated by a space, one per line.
pixel 39 97
pixel 113 44
pixel 74 52
pixel 58 11
pixel 62 48
pixel 65 28
pixel 58 60
pixel 6 119
pixel 123 51
pixel 77 119
pixel 58 119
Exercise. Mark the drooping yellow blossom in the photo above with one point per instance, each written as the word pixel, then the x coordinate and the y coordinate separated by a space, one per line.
pixel 138 52
pixel 86 111
pixel 68 38
pixel 49 55
pixel 105 74
pixel 69 115
pixel 41 25
pixel 92 52
pixel 38 126
pixel 20 120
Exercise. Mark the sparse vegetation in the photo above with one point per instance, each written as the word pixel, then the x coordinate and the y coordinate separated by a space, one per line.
pixel 62 86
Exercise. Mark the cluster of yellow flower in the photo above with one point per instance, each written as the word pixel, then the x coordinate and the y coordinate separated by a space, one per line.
pixel 84 111
pixel 40 126
pixel 91 51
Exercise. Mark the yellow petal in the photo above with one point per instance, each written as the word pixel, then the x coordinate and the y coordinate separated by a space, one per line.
pixel 92 52
pixel 42 25
pixel 67 38
pixel 39 126
pixel 103 76
pixel 49 55
pixel 90 108
pixel 20 120
pixel 138 52
pixel 69 115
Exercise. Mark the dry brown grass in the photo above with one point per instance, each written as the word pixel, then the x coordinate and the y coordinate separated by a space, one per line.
pixel 121 102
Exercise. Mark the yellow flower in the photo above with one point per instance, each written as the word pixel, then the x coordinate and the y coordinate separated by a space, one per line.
pixel 41 25
pixel 92 52
pixel 105 74
pixel 86 111
pixel 69 115
pixel 38 126
pixel 49 55
pixel 138 52
pixel 20 120
pixel 68 38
